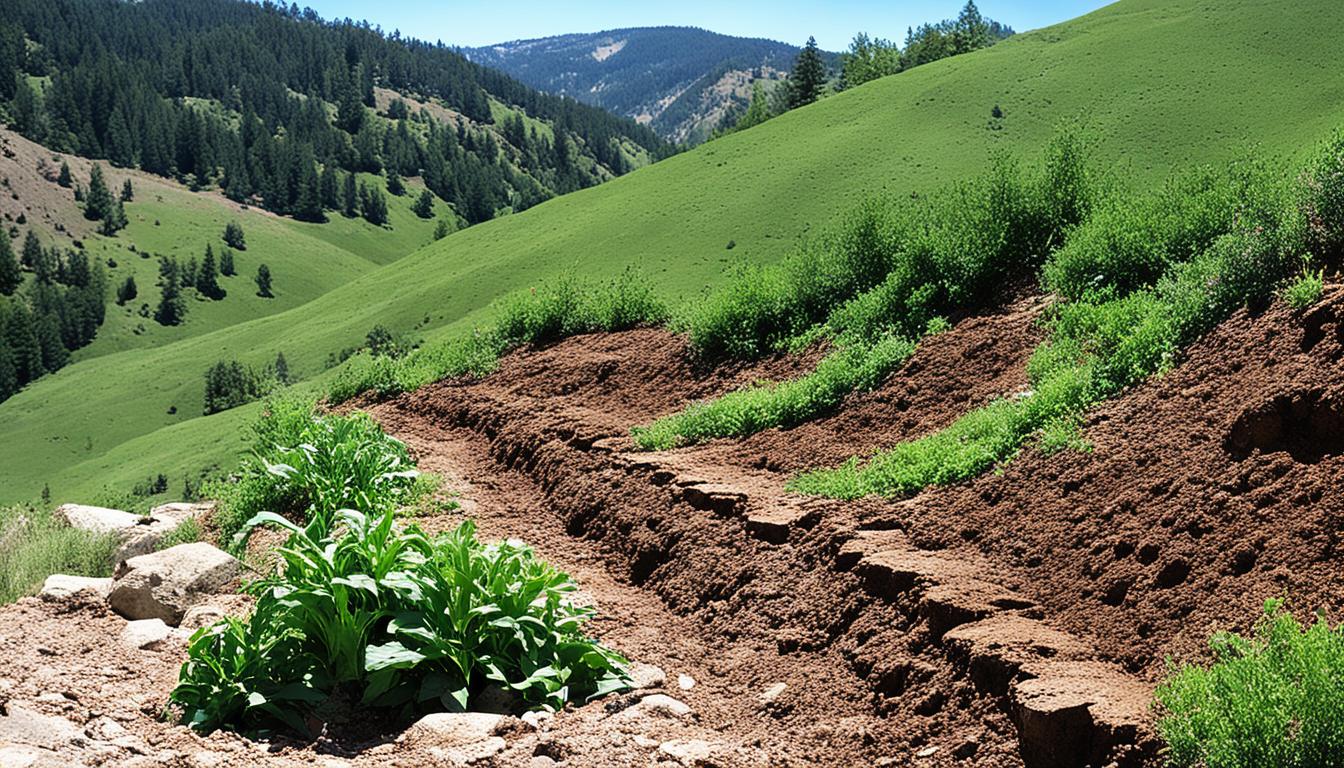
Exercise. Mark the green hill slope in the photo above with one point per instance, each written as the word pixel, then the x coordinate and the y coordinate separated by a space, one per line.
pixel 1164 84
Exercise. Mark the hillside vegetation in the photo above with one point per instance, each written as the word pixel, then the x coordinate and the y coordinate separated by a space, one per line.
pixel 746 199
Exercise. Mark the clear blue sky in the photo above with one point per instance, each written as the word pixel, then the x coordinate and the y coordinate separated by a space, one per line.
pixel 482 22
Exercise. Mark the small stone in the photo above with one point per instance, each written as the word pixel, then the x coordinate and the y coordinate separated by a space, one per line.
pixel 105 729
pixel 692 753
pixel 769 695
pixel 927 752
pixel 145 634
pixel 451 729
pixel 59 586
pixel 207 760
pixel 662 705
pixel 644 741
pixel 540 761
pixel 647 676
pixel 685 682
pixel 537 720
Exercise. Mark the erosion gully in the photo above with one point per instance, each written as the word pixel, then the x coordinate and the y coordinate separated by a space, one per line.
pixel 799 631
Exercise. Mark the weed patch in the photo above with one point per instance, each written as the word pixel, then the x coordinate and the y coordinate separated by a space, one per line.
pixel 34 545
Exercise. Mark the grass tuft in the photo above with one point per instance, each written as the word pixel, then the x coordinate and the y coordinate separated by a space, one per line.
pixel 34 545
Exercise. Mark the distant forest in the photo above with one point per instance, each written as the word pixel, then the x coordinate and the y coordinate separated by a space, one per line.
pixel 271 103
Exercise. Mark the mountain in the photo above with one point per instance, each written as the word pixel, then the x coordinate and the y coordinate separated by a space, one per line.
pixel 106 420
pixel 678 80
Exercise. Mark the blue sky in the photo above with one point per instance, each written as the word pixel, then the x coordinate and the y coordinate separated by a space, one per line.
pixel 481 22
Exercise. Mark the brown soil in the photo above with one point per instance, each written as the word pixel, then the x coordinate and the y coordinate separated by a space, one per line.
pixel 1018 619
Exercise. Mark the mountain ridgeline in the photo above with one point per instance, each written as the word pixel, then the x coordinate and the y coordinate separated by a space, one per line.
pixel 678 80
pixel 277 106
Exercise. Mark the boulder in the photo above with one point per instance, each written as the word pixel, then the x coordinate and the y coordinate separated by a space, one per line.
pixel 163 585
pixel 59 587
pixel 97 519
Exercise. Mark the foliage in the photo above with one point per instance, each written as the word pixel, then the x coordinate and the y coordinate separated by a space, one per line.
pixel 399 620
pixel 808 78
pixel 1273 699
pixel 1104 342
pixel 229 384
pixel 34 545
pixel 263 281
pixel 234 236
pixel 1305 289
pixel 308 467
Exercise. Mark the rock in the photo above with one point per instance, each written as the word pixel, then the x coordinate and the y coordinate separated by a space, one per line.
pixel 927 752
pixel 685 682
pixel 661 705
pixel 23 725
pixel 97 519
pixel 647 676
pixel 14 756
pixel 203 615
pixel 145 634
pixel 1077 713
pixel 540 761
pixel 452 729
pixel 769 695
pixel 774 525
pixel 693 752
pixel 537 720
pixel 59 587
pixel 163 585
pixel 207 760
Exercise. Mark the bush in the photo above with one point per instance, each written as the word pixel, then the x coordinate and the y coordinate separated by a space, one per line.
pixel 398 621
pixel 1274 699
pixel 1305 289
pixel 34 545
pixel 229 384
pixel 1323 200
pixel 234 237
pixel 310 467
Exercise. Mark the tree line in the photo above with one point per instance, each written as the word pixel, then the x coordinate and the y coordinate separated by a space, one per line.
pixel 235 94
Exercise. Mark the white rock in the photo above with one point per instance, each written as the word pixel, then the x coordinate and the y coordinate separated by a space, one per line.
pixel 537 720
pixel 693 752
pixel 23 725
pixel 452 729
pixel 155 526
pixel 14 756
pixel 59 586
pixel 661 705
pixel 773 692
pixel 647 676
pixel 163 585
pixel 145 634
pixel 927 752
pixel 97 519
pixel 685 682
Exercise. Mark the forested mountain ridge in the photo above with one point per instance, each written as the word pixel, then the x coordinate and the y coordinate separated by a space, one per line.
pixel 275 105
pixel 678 80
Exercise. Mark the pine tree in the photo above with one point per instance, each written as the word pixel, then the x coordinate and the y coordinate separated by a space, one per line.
pixel 207 283
pixel 349 198
pixel 22 342
pixel 115 221
pixel 264 282
pixel 64 178
pixel 442 229
pixel 127 291
pixel 330 187
pixel 233 236
pixel 308 206
pixel 9 377
pixel 97 201
pixel 32 251
pixel 395 186
pixel 226 267
pixel 808 76
pixel 10 276
pixel 971 32
pixel 47 329
pixel 373 205
pixel 424 205
pixel 281 368
pixel 172 308
pixel 127 191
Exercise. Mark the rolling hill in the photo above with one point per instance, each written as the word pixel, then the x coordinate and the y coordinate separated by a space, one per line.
pixel 678 80
pixel 103 421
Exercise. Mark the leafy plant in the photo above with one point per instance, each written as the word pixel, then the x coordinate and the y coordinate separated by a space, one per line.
pixel 397 620
pixel 1305 289
pixel 1275 699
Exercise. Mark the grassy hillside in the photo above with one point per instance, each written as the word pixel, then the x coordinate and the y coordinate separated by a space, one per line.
pixel 1153 79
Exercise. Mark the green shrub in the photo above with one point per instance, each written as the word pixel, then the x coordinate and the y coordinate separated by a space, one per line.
pixel 397 620
pixel 1323 200
pixel 309 467
pixel 34 545
pixel 1305 289
pixel 1274 700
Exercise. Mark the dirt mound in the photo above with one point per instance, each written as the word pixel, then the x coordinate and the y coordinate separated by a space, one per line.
pixel 1207 491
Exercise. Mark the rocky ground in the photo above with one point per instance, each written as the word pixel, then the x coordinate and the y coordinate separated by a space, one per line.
pixel 1021 619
